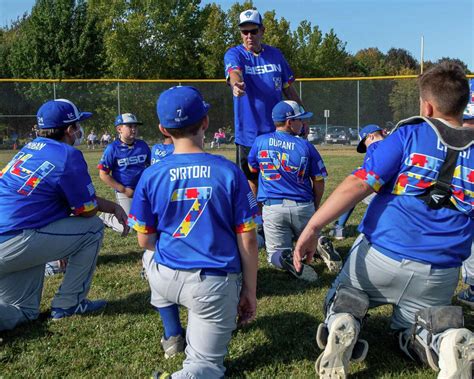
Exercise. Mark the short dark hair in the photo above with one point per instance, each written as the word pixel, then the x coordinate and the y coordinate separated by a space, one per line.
pixel 187 131
pixel 56 134
pixel 447 86
pixel 279 124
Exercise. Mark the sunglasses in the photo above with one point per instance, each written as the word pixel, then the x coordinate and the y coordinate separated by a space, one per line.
pixel 251 31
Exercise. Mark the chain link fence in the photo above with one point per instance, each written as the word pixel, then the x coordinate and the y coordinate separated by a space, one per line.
pixel 348 102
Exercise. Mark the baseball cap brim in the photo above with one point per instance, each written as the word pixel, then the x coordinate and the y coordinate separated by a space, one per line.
pixel 468 117
pixel 131 123
pixel 84 116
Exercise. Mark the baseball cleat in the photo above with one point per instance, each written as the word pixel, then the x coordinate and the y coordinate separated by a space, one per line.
pixel 361 347
pixel 466 297
pixel 456 354
pixel 334 360
pixel 330 256
pixel 173 345
pixel 307 273
pixel 84 307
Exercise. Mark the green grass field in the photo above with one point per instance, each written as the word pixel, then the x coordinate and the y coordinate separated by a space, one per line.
pixel 124 341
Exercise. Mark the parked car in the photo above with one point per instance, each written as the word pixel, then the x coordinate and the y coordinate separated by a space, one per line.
pixel 338 134
pixel 314 135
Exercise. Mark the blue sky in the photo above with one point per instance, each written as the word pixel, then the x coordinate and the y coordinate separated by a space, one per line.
pixel 447 26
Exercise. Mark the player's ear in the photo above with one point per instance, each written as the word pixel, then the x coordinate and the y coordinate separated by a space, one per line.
pixel 262 29
pixel 426 108
pixel 163 131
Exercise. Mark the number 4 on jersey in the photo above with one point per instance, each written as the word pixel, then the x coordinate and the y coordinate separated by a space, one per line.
pixel 31 178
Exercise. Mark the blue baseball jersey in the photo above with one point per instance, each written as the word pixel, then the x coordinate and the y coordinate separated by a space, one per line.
pixel 45 181
pixel 161 150
pixel 287 164
pixel 402 225
pixel 196 203
pixel 126 162
pixel 265 75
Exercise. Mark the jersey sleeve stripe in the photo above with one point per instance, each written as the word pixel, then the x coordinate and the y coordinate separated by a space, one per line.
pixel 248 224
pixel 370 177
pixel 103 168
pixel 140 226
pixel 87 207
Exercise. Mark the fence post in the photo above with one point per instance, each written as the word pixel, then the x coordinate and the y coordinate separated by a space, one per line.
pixel 54 90
pixel 358 107
pixel 118 98
pixel 301 90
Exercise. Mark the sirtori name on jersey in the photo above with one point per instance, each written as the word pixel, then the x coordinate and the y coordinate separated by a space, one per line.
pixel 45 181
pixel 126 162
pixel 265 75
pixel 196 203
pixel 286 164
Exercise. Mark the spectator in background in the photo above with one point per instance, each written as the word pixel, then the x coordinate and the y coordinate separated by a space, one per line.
pixel 105 139
pixel 91 140
pixel 219 137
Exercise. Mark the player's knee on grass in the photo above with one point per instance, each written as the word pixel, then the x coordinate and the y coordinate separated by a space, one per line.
pixel 429 324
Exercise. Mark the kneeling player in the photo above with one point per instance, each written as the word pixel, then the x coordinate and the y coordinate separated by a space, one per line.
pixel 417 231
pixel 196 211
pixel 40 188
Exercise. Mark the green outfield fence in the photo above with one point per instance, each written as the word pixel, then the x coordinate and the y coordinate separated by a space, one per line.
pixel 351 102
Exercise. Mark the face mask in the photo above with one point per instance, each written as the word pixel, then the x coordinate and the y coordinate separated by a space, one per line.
pixel 78 140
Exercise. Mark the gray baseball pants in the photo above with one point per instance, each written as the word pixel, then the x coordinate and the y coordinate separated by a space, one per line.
pixel 283 223
pixel 468 268
pixel 409 286
pixel 22 264
pixel 110 220
pixel 212 310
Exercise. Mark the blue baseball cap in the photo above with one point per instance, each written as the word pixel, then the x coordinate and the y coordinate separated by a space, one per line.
pixel 126 119
pixel 363 133
pixel 181 106
pixel 289 110
pixel 59 113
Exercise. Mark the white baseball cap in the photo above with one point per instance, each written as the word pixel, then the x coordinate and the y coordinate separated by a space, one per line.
pixel 250 16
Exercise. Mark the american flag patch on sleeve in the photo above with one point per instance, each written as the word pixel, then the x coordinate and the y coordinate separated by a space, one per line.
pixel 91 189
pixel 252 200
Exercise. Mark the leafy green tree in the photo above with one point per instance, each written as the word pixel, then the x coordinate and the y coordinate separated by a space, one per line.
pixel 58 40
pixel 404 98
pixel 331 57
pixel 155 39
pixel 306 41
pixel 400 60
pixel 371 62
pixel 214 41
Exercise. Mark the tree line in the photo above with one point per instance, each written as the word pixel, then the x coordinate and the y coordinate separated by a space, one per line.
pixel 174 39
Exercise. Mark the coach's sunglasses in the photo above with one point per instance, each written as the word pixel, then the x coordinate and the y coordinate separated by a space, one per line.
pixel 251 31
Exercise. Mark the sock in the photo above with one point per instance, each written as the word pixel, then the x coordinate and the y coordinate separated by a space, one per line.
pixel 170 318
pixel 471 288
pixel 275 259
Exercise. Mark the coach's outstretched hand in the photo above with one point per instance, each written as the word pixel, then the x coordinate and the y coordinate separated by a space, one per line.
pixel 305 248
pixel 247 307
pixel 238 89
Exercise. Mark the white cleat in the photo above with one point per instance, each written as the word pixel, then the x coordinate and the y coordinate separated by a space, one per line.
pixel 456 355
pixel 334 361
